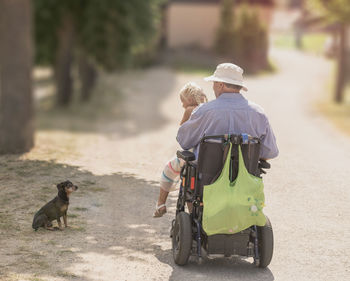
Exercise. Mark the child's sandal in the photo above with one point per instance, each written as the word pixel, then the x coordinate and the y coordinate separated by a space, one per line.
pixel 160 211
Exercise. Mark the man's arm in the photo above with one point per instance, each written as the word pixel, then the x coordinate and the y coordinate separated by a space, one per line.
pixel 269 147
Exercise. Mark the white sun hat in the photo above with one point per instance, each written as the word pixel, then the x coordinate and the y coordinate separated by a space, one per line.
pixel 228 73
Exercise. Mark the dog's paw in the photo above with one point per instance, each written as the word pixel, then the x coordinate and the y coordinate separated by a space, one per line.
pixel 51 228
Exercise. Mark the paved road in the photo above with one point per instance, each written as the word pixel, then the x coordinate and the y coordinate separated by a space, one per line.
pixel 307 189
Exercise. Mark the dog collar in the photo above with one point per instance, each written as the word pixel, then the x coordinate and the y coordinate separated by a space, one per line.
pixel 65 201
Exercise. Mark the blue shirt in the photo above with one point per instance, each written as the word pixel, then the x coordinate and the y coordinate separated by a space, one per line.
pixel 230 113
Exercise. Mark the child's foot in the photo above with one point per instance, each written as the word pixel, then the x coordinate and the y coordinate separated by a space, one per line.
pixel 160 211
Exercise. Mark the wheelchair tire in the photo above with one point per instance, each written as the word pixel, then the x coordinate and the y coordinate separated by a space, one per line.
pixel 265 236
pixel 182 238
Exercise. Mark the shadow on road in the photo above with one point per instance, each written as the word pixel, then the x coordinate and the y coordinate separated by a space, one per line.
pixel 112 234
pixel 233 268
pixel 126 104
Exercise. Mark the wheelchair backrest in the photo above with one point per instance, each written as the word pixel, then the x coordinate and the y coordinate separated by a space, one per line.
pixel 213 151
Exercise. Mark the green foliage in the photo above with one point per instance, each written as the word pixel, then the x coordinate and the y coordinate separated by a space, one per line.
pixel 111 32
pixel 106 34
pixel 46 20
pixel 48 16
pixel 116 31
pixel 334 10
pixel 312 42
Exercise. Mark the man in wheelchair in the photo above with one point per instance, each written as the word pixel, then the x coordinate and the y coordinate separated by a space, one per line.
pixel 232 139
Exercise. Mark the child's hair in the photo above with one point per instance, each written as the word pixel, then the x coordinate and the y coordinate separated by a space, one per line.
pixel 192 91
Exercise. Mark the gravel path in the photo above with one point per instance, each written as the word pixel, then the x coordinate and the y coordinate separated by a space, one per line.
pixel 306 189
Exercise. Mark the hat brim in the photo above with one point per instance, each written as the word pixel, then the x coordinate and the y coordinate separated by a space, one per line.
pixel 228 81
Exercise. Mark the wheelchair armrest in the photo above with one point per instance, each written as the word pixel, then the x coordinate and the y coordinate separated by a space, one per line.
pixel 263 164
pixel 186 155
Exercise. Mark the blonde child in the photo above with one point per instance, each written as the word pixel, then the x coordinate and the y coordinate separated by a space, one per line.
pixel 191 95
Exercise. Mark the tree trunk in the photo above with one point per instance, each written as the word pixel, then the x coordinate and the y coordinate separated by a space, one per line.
pixel 341 73
pixel 64 61
pixel 88 76
pixel 16 106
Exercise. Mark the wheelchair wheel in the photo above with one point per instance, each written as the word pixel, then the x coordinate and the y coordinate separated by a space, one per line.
pixel 265 236
pixel 182 238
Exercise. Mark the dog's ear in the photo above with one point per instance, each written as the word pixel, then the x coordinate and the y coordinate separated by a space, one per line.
pixel 60 185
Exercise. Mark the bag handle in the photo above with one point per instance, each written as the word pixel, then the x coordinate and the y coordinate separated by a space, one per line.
pixel 228 162
pixel 225 172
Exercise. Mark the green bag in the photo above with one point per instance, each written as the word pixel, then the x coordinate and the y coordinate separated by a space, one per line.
pixel 230 207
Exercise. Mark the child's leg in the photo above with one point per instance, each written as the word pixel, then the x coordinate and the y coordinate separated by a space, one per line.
pixel 171 174
pixel 163 195
pixel 168 182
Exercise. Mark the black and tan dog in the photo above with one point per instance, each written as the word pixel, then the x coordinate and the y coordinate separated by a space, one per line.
pixel 55 209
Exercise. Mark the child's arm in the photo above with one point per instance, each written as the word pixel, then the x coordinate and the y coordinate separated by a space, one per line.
pixel 187 114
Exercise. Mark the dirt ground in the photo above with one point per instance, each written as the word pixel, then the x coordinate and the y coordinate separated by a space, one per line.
pixel 114 150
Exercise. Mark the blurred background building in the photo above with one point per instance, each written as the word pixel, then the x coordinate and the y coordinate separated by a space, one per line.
pixel 195 22
pixel 79 41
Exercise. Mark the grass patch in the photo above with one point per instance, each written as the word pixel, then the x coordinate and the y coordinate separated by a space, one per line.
pixel 88 182
pixel 203 70
pixel 284 41
pixel 311 42
pixel 73 215
pixel 80 209
pixel 66 274
pixel 339 114
pixel 35 256
pixel 36 279
pixel 78 228
pixel 97 189
pixel 192 68
pixel 65 252
pixel 314 43
pixel 41 264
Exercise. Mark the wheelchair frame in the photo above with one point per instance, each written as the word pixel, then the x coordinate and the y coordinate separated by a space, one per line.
pixel 188 236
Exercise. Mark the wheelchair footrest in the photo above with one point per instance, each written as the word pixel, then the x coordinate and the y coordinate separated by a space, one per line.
pixel 229 244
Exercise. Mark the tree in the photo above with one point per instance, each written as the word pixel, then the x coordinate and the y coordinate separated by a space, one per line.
pixel 16 106
pixel 251 40
pixel 57 26
pixel 242 37
pixel 107 34
pixel 64 59
pixel 338 11
pixel 224 44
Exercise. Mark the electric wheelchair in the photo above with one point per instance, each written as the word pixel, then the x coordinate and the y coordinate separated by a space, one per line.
pixel 188 236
